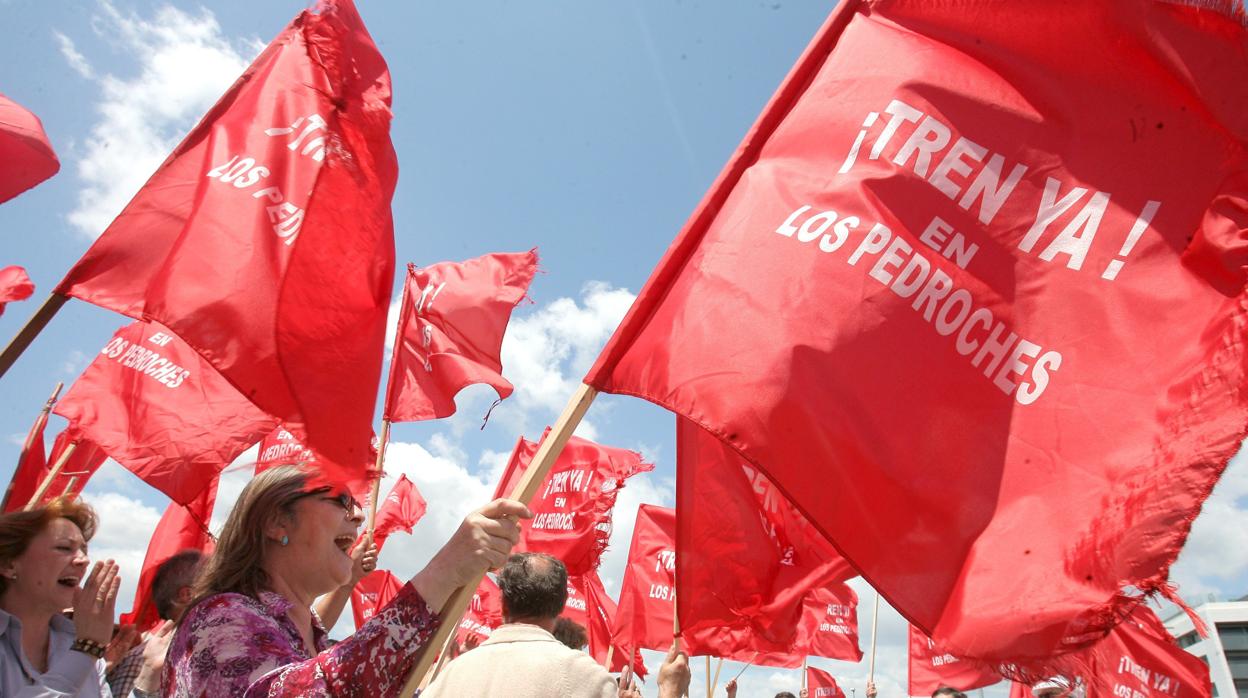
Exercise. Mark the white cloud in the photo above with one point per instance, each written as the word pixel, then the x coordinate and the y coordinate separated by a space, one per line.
pixel 184 65
pixel 125 527
pixel 1216 554
pixel 74 363
pixel 75 59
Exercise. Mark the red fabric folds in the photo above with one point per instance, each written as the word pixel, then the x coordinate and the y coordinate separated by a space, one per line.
pixel 372 593
pixel 399 511
pixel 644 618
pixel 157 407
pixel 572 508
pixel 282 447
pixel 24 149
pixel 598 617
pixel 931 668
pixel 32 466
pixel 450 334
pixel 15 285
pixel 984 332
pixel 484 614
pixel 1141 659
pixel 181 528
pixel 829 625
pixel 80 464
pixel 749 554
pixel 820 684
pixel 265 240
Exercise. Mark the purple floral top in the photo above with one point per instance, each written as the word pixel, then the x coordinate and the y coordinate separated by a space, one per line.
pixel 234 645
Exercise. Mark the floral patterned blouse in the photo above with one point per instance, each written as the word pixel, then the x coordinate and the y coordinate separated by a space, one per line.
pixel 234 645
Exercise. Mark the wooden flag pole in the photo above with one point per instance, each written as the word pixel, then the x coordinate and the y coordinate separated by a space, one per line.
pixel 381 461
pixel 715 682
pixel 443 657
pixel 547 453
pixel 40 421
pixel 708 676
pixel 70 487
pixel 747 666
pixel 30 330
pixel 875 622
pixel 610 654
pixel 47 481
pixel 804 672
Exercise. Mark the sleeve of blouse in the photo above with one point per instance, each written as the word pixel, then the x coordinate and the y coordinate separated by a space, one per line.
pixel 374 661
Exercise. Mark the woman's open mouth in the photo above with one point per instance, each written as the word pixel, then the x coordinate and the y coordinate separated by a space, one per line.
pixel 71 582
pixel 344 543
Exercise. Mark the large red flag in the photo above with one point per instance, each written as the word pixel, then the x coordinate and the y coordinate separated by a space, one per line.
pixel 931 668
pixel 181 528
pixel 265 241
pixel 746 557
pixel 26 157
pixel 158 408
pixel 572 509
pixel 15 285
pixel 484 614
pixel 643 619
pixel 1140 659
pixel 31 465
pixel 372 593
pixel 971 293
pixel 820 684
pixel 450 334
pixel 399 511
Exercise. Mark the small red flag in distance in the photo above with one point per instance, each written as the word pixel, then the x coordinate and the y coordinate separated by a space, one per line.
pixel 450 335
pixel 15 285
pixel 156 406
pixel 979 331
pixel 24 149
pixel 265 240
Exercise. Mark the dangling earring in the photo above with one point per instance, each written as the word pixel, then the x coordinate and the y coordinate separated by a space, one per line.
pixel 285 540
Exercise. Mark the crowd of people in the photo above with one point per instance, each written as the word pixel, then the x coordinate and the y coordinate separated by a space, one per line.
pixel 249 619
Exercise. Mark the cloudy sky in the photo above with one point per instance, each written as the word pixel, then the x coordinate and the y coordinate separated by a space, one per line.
pixel 590 130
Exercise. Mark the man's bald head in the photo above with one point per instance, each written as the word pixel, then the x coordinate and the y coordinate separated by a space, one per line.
pixel 534 588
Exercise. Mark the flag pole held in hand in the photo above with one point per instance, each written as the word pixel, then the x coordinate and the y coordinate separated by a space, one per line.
pixel 542 462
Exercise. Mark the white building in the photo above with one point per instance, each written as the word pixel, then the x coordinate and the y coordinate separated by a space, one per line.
pixel 1226 648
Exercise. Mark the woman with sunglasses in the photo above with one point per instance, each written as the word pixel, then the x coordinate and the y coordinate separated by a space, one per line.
pixel 250 630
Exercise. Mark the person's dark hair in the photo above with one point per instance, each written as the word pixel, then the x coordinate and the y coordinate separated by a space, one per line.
pixel 533 585
pixel 785 694
pixel 570 633
pixel 172 576
pixel 948 691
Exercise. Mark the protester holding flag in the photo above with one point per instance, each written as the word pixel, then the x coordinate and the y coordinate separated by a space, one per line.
pixel 251 630
pixel 43 558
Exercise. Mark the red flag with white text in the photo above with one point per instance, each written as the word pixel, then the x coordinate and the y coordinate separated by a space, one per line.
pixel 450 333
pixel 399 511
pixel 643 619
pixel 484 614
pixel 15 285
pixel 749 554
pixel 265 240
pixel 157 407
pixel 372 593
pixel 181 528
pixel 829 626
pixel 573 506
pixel 979 330
pixel 931 668
pixel 24 149
pixel 820 684
pixel 284 446
pixel 1141 659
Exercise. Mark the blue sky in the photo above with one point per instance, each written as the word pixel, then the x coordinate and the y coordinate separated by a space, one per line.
pixel 590 130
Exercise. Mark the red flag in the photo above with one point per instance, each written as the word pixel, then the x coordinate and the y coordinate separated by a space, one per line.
pixel 930 668
pixel 820 684
pixel 1140 658
pixel 451 327
pixel 155 406
pixel 749 555
pixel 24 149
pixel 265 241
pixel 15 285
pixel 372 593
pixel 644 617
pixel 983 330
pixel 281 447
pixel 572 509
pixel 31 465
pixel 80 464
pixel 399 511
pixel 1020 690
pixel 181 528
pixel 484 614
pixel 598 617
pixel 829 625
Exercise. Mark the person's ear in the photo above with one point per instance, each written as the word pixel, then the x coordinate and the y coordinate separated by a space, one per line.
pixel 8 569
pixel 278 528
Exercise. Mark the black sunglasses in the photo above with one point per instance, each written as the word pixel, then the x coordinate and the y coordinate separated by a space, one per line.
pixel 342 499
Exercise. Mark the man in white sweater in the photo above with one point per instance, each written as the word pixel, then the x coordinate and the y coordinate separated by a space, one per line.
pixel 522 659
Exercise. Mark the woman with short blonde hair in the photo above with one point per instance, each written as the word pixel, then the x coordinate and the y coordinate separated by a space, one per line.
pixel 43 558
